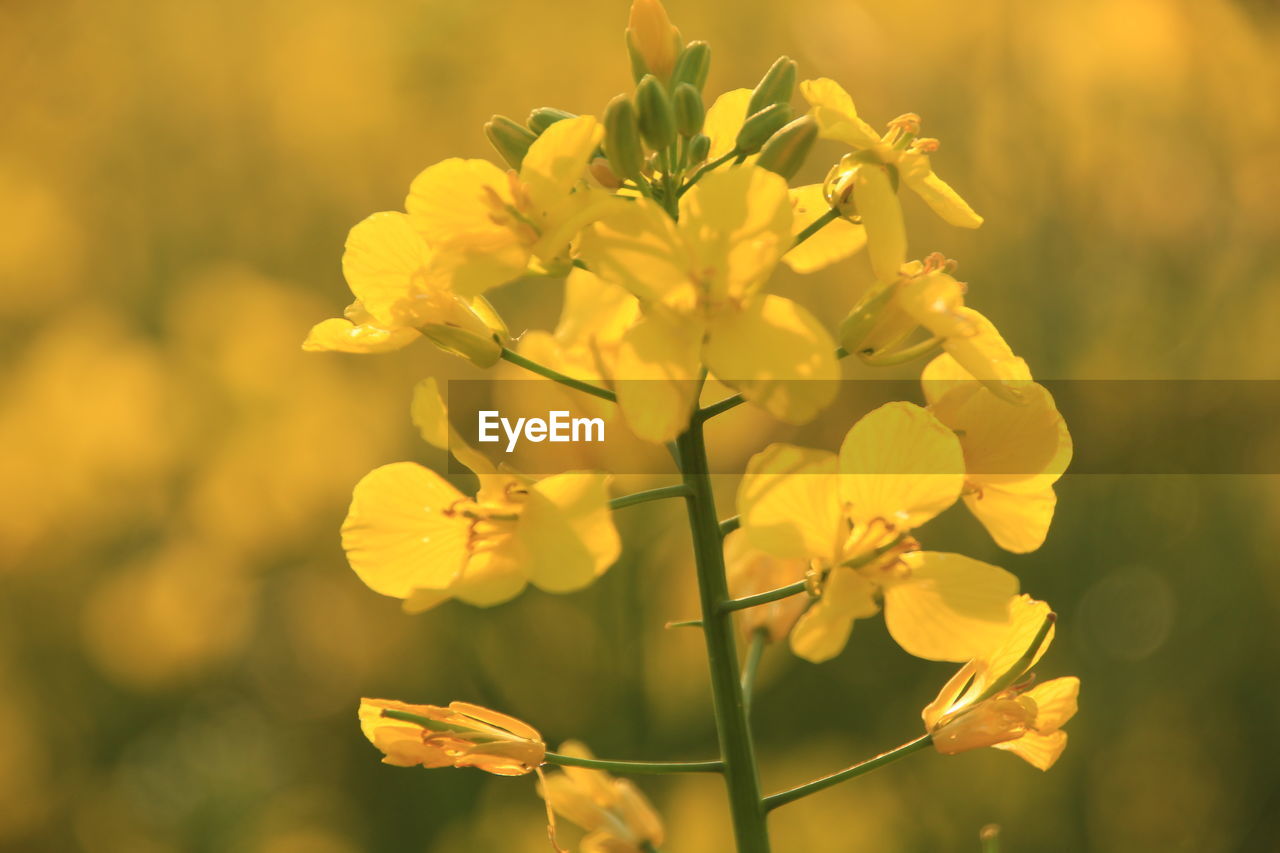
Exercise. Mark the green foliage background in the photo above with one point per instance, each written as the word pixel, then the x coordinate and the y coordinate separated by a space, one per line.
pixel 181 643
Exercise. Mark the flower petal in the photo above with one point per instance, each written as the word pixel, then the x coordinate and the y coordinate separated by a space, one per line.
pixel 837 118
pixel 900 464
pixel 657 374
pixel 789 502
pixel 881 215
pixel 778 355
pixel 917 173
pixel 950 608
pixel 341 335
pixel 385 262
pixel 824 629
pixel 835 241
pixel 724 120
pixel 398 535
pixel 1018 521
pixel 1056 702
pixel 1040 751
pixel 566 531
pixel 637 246
pixel 557 160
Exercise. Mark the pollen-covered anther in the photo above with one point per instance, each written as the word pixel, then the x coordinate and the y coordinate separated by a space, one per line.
pixel 925 145
pixel 906 123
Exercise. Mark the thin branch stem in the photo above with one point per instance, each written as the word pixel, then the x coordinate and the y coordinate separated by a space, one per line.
pixel 765 597
pixel 755 651
pixel 635 767
pixel 816 225
pixel 730 524
pixel 556 376
pixel 678 491
pixel 772 801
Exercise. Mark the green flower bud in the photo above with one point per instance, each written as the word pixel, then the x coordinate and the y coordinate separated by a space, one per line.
pixel 775 87
pixel 543 117
pixel 622 138
pixel 687 104
pixel 511 139
pixel 760 126
pixel 655 114
pixel 862 319
pixel 787 149
pixel 693 65
pixel 699 147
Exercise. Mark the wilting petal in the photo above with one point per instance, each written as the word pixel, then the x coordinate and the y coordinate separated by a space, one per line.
pixel 724 120
pixel 950 607
pixel 778 355
pixel 566 531
pixel 900 464
pixel 1040 751
pixel 1026 618
pixel 837 118
pixel 399 535
pixel 1018 521
pixel 789 502
pixel 834 242
pixel 657 374
pixel 824 629
pixel 917 173
pixel 341 335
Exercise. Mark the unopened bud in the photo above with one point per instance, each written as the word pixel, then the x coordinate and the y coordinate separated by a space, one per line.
pixel 693 65
pixel 786 150
pixel 689 111
pixel 699 148
pixel 656 118
pixel 775 87
pixel 622 138
pixel 604 174
pixel 543 117
pixel 760 126
pixel 512 140
pixel 652 41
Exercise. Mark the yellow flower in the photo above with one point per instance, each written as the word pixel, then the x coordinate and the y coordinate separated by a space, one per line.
pixel 751 571
pixel 652 38
pixel 410 534
pixel 1013 452
pixel 487 225
pixel 898 467
pixel 865 183
pixel 834 242
pixel 616 815
pixel 461 735
pixel 389 268
pixel 700 283
pixel 990 701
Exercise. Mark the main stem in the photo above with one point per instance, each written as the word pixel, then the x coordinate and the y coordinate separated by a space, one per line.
pixel 737 750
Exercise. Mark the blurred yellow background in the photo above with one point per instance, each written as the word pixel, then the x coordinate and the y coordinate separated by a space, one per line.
pixel 182 646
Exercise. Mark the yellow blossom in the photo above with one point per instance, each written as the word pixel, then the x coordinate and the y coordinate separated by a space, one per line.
pixel 1014 452
pixel 864 185
pixel 898 467
pixel 700 284
pixel 486 225
pixel 617 817
pixel 991 700
pixel 461 735
pixel 410 534
pixel 652 38
pixel 389 268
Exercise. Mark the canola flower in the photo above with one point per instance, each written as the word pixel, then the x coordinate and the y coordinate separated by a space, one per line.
pixel 667 220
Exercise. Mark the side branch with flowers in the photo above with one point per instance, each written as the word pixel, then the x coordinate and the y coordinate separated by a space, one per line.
pixel 666 221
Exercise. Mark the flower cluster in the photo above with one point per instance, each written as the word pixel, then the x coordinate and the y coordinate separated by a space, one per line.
pixel 667 221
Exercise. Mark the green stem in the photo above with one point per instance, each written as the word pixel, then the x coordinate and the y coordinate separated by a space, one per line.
pixel 680 491
pixel 697 176
pixel 635 767
pixel 902 356
pixel 730 524
pixel 736 746
pixel 542 370
pixel 765 597
pixel 755 651
pixel 816 225
pixel 772 801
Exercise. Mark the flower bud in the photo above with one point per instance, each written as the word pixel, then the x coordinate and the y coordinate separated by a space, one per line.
pixel 622 138
pixel 652 41
pixel 543 117
pixel 699 148
pixel 601 170
pixel 512 140
pixel 775 87
pixel 693 65
pixel 864 317
pixel 655 116
pixel 689 111
pixel 786 150
pixel 760 126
